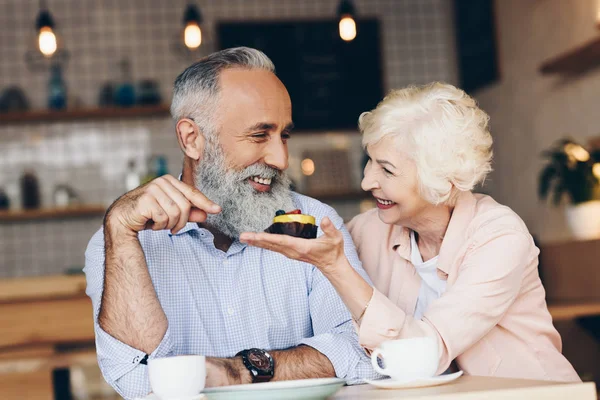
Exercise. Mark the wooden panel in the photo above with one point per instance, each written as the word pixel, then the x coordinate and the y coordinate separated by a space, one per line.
pixel 41 288
pixel 31 386
pixel 51 321
pixel 52 213
pixel 569 271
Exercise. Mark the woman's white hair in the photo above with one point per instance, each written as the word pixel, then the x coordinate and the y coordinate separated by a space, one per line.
pixel 441 128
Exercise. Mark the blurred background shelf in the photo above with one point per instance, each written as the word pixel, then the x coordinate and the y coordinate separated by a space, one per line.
pixel 352 195
pixel 575 61
pixel 83 114
pixel 52 213
pixel 569 310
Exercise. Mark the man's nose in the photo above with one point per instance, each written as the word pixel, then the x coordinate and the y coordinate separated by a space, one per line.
pixel 277 155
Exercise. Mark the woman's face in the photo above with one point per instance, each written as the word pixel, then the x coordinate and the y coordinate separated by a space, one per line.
pixel 391 176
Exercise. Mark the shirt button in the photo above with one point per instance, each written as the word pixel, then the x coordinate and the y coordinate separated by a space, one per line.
pixel 230 311
pixel 136 359
pixel 225 262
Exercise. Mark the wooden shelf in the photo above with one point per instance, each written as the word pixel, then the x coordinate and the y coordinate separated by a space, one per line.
pixel 355 195
pixel 569 310
pixel 41 288
pixel 52 213
pixel 83 114
pixel 576 61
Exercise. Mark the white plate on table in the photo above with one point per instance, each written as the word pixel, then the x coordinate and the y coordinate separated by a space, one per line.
pixel 435 381
pixel 283 390
pixel 153 396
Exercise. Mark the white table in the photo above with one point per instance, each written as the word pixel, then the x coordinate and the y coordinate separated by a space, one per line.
pixel 477 388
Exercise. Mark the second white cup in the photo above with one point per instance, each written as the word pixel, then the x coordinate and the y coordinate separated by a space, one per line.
pixel 407 359
pixel 177 378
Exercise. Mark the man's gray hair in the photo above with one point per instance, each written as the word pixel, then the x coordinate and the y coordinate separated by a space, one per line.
pixel 196 90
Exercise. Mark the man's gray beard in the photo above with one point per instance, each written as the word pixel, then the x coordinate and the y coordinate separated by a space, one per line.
pixel 243 208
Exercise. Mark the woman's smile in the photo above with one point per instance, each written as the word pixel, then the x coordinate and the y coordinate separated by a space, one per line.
pixel 383 204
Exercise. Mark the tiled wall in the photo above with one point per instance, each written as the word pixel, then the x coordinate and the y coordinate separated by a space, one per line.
pixel 417 42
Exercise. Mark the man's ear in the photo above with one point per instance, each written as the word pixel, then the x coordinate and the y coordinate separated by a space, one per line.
pixel 191 140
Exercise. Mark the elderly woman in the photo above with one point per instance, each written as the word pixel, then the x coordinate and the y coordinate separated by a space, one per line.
pixel 445 262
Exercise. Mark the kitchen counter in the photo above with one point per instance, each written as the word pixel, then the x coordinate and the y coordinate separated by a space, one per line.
pixel 46 325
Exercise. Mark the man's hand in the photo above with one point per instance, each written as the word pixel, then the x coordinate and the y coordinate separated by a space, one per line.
pixel 226 372
pixel 163 203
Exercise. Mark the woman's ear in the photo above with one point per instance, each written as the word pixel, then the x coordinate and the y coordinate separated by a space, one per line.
pixel 191 140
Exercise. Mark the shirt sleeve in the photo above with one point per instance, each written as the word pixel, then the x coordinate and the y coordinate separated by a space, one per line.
pixel 334 334
pixel 120 363
pixel 489 282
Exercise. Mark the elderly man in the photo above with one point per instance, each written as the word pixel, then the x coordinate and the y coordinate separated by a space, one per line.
pixel 167 273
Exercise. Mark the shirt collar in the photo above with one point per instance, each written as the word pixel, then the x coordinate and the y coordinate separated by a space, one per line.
pixel 400 241
pixel 190 226
pixel 454 239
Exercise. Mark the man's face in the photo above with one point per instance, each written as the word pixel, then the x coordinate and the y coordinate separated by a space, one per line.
pixel 254 119
pixel 245 171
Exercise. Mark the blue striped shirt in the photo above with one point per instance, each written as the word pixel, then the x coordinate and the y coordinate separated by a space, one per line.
pixel 218 303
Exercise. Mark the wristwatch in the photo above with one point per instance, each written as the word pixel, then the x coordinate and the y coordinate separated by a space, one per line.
pixel 260 364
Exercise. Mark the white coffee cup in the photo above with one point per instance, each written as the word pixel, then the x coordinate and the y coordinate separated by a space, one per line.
pixel 177 378
pixel 407 359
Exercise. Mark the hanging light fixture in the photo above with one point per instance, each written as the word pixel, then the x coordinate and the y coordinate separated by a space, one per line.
pixel 44 26
pixel 45 48
pixel 347 25
pixel 192 33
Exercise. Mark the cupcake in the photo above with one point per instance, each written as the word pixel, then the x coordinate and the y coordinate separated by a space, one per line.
pixel 293 223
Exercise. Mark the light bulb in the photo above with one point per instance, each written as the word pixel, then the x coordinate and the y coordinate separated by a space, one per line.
pixel 596 170
pixel 577 152
pixel 308 166
pixel 347 28
pixel 192 35
pixel 47 41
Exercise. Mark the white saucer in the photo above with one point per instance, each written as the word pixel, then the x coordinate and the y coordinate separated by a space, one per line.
pixel 320 388
pixel 424 382
pixel 153 396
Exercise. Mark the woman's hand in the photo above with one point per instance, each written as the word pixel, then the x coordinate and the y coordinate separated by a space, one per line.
pixel 324 252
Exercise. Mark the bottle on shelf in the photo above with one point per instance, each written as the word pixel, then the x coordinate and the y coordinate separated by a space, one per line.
pixel 57 89
pixel 30 190
pixel 4 200
pixel 157 166
pixel 125 91
pixel 132 177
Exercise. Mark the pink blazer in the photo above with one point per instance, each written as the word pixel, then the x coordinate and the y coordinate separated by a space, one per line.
pixel 492 319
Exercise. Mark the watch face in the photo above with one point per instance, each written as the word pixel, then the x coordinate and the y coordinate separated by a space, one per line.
pixel 259 360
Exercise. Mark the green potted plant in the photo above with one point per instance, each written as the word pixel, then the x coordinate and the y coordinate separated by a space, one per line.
pixel 574 172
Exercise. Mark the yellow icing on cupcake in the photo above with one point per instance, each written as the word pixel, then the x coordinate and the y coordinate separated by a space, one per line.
pixel 302 218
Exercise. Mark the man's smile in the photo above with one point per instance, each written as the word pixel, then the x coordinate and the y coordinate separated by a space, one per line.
pixel 260 184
